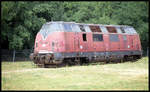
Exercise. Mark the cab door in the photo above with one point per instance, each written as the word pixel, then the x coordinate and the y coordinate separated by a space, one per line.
pixel 83 42
pixel 106 42
pixel 125 42
pixel 131 42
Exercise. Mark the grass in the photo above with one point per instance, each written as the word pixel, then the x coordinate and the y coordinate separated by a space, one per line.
pixel 120 76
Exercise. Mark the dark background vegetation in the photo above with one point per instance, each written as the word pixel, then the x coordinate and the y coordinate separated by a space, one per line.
pixel 20 21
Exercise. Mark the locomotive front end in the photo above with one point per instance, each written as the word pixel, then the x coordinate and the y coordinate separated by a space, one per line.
pixel 46 46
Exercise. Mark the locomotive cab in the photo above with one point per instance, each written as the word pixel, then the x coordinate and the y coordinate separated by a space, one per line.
pixel 50 42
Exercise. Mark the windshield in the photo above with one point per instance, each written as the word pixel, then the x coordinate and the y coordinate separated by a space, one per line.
pixel 45 30
pixel 48 28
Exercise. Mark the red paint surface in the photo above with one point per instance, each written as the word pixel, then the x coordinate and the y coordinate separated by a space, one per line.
pixel 73 42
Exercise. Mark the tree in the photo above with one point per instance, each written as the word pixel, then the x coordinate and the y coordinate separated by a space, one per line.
pixel 19 23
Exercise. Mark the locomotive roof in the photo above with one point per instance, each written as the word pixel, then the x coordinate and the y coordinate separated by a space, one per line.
pixel 53 26
pixel 88 24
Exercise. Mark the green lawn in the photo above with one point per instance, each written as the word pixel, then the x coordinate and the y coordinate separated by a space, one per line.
pixel 120 76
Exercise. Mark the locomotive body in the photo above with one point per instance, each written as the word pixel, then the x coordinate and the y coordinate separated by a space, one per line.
pixel 61 43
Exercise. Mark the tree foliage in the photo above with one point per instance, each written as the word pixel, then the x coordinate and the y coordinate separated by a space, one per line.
pixel 22 20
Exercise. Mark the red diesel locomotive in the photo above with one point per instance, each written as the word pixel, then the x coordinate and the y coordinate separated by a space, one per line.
pixel 60 43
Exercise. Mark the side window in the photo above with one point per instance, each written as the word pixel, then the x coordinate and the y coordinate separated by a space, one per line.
pixel 87 29
pixel 95 28
pixel 126 30
pixel 97 37
pixel 55 27
pixel 111 29
pixel 84 37
pixel 113 38
pixel 67 27
pixel 75 28
pixel 122 30
pixel 133 31
pixel 82 28
pixel 104 30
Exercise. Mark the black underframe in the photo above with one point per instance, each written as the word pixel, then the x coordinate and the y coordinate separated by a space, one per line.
pixel 61 56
